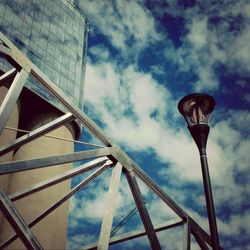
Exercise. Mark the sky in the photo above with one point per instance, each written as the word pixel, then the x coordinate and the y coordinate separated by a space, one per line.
pixel 143 57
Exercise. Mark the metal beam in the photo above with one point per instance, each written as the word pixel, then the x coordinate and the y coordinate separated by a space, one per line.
pixel 8 76
pixel 201 242
pixel 59 202
pixel 187 235
pixel 136 234
pixel 143 212
pixel 57 92
pixel 4 51
pixel 20 59
pixel 14 55
pixel 107 221
pixel 169 201
pixel 17 222
pixel 59 178
pixel 37 132
pixel 199 230
pixel 23 165
pixel 11 97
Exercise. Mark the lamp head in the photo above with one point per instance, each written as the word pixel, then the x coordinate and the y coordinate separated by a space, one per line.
pixel 196 108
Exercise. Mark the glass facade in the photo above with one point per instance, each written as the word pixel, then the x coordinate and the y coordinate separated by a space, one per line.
pixel 53 35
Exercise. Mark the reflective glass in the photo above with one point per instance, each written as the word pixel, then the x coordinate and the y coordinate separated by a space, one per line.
pixel 51 33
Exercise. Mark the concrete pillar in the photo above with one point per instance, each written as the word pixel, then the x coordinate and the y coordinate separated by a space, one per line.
pixel 7 137
pixel 51 231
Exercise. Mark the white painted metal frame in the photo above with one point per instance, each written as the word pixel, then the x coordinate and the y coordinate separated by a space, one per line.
pixel 106 227
pixel 108 156
pixel 17 222
pixel 36 133
pixel 12 96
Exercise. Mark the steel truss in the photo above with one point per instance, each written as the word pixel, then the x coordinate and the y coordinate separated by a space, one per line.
pixel 109 156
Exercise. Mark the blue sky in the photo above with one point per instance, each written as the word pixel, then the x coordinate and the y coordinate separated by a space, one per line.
pixel 143 57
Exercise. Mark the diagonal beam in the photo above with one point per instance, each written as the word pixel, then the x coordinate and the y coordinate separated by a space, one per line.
pixel 169 201
pixel 14 55
pixel 23 165
pixel 59 202
pixel 17 222
pixel 57 92
pixel 195 228
pixel 8 76
pixel 4 51
pixel 156 189
pixel 201 242
pixel 143 212
pixel 106 227
pixel 136 234
pixel 36 133
pixel 59 178
pixel 11 97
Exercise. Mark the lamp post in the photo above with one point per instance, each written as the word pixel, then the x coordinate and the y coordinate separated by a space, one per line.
pixel 196 109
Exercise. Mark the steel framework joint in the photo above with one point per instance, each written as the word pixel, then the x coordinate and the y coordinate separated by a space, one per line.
pixel 121 157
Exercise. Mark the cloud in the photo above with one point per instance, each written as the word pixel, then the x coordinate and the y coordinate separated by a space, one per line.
pixel 76 241
pixel 214 34
pixel 99 52
pixel 121 22
pixel 136 119
pixel 198 33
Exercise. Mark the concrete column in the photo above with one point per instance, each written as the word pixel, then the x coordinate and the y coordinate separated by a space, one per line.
pixel 51 231
pixel 7 137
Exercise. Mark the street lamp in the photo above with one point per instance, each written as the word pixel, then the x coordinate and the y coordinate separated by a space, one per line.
pixel 196 109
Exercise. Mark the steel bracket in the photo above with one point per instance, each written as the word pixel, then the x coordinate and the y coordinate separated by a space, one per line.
pixel 121 157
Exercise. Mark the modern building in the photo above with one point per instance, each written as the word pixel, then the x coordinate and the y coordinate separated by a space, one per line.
pixel 53 34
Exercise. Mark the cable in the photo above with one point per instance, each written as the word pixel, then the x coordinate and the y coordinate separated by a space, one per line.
pixel 56 137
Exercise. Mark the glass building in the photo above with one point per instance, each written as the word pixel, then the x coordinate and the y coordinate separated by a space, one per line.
pixel 53 35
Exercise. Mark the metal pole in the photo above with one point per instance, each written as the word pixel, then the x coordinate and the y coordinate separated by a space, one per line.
pixel 200 134
pixel 209 202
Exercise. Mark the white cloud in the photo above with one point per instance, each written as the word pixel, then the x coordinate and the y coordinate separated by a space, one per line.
pixel 236 225
pixel 121 22
pixel 113 93
pixel 198 33
pixel 172 238
pixel 100 52
pixel 206 44
pixel 79 240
